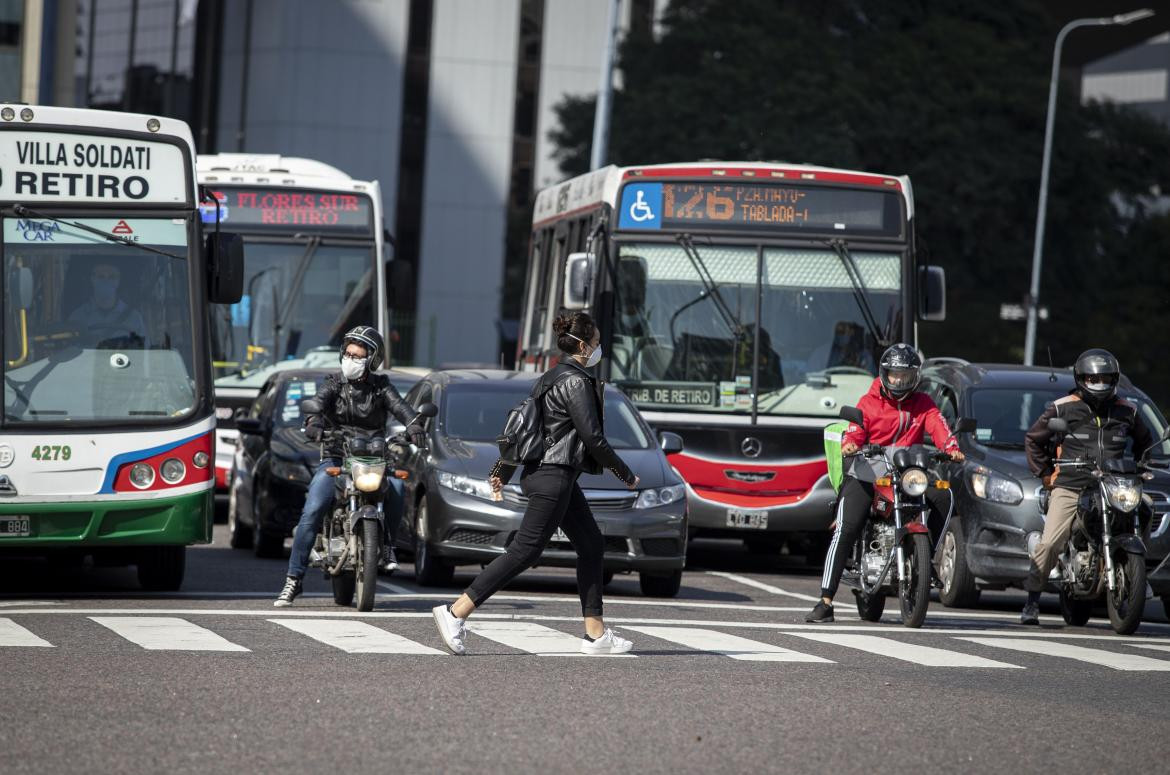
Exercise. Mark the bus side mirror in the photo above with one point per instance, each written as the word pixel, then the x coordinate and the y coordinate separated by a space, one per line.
pixel 578 275
pixel 932 293
pixel 225 267
pixel 671 443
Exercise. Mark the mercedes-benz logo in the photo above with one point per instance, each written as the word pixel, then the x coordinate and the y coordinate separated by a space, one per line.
pixel 751 447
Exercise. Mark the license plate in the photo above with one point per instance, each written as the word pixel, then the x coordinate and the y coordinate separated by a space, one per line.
pixel 15 527
pixel 755 520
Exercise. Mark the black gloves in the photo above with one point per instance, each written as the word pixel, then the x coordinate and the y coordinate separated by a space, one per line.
pixel 314 431
pixel 415 431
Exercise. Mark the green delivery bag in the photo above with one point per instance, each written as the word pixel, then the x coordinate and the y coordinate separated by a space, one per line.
pixel 833 435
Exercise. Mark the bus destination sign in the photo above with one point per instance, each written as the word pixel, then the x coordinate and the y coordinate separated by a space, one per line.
pixel 760 207
pixel 279 209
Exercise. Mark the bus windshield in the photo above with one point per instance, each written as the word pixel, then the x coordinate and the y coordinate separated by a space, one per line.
pixel 297 296
pixel 95 330
pixel 685 341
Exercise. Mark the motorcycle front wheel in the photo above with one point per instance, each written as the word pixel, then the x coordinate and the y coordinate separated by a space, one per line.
pixel 1127 601
pixel 914 591
pixel 1075 612
pixel 369 551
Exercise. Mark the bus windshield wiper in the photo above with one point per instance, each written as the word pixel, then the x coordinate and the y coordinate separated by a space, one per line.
pixel 729 319
pixel 860 294
pixel 294 288
pixel 24 212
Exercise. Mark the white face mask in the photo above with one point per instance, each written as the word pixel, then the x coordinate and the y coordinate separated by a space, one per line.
pixel 353 369
pixel 594 357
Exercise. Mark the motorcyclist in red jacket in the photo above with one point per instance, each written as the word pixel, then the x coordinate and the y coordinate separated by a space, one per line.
pixel 895 415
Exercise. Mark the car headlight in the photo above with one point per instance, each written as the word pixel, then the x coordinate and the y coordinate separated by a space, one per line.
pixel 289 470
pixel 914 482
pixel 478 488
pixel 660 496
pixel 1124 494
pixel 995 488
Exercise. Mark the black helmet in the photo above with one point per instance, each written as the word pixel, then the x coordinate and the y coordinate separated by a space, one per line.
pixel 1103 367
pixel 369 338
pixel 898 370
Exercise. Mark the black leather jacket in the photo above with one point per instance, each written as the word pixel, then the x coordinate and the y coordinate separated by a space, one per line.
pixel 574 429
pixel 364 405
pixel 1097 435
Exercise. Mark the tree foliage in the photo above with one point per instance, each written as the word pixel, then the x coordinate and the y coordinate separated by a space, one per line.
pixel 953 94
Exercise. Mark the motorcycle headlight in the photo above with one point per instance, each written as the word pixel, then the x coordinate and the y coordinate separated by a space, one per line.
pixel 995 488
pixel 1123 494
pixel 366 474
pixel 660 496
pixel 477 488
pixel 914 482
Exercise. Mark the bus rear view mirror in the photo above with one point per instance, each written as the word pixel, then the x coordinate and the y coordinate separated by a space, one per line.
pixel 578 276
pixel 224 252
pixel 932 293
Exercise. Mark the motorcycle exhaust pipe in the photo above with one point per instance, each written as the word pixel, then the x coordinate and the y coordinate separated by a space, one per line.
pixel 339 566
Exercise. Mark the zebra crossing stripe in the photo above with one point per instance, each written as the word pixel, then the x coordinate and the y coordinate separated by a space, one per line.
pixel 1151 646
pixel 1099 657
pixel 355 637
pixel 532 638
pixel 12 634
pixel 166 633
pixel 907 652
pixel 728 645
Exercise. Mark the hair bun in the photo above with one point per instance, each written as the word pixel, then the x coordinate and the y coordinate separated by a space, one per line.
pixel 562 324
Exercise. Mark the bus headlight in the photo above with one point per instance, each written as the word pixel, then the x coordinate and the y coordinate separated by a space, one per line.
pixel 201 459
pixel 141 475
pixel 172 470
pixel 914 482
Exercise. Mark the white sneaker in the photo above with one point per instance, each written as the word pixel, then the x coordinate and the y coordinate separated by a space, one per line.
pixel 609 643
pixel 450 629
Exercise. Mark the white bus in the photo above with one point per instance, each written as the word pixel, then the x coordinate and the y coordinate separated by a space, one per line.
pixel 315 268
pixel 106 435
pixel 741 305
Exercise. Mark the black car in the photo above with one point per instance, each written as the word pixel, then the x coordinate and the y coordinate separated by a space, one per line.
pixel 452 520
pixel 274 461
pixel 997 515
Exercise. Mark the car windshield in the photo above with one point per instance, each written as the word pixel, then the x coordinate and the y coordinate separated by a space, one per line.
pixel 95 330
pixel 476 412
pixel 297 296
pixel 287 409
pixel 1004 415
pixel 682 343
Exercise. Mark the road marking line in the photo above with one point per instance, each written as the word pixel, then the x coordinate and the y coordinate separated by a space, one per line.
pixel 395 589
pixel 1150 646
pixel 760 585
pixel 907 652
pixel 16 603
pixel 12 634
pixel 166 633
pixel 533 638
pixel 728 645
pixel 355 637
pixel 1050 648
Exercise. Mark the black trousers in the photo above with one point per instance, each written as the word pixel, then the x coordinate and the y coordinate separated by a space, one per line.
pixel 853 505
pixel 554 500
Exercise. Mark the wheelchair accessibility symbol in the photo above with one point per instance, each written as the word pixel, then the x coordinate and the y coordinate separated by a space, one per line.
pixel 641 204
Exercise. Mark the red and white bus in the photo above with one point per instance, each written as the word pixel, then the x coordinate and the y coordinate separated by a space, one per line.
pixel 741 306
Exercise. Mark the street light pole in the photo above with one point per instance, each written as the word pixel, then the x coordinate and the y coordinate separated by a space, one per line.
pixel 600 148
pixel 1033 301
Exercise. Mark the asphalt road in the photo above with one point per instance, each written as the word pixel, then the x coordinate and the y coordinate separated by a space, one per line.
pixel 100 677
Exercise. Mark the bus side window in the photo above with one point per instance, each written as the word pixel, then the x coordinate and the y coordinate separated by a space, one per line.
pixel 538 280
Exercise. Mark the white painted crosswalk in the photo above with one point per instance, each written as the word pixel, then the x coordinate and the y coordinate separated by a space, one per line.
pixel 1101 657
pixel 355 637
pixel 406 635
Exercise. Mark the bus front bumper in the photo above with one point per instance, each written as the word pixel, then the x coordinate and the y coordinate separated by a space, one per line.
pixel 181 520
pixel 740 515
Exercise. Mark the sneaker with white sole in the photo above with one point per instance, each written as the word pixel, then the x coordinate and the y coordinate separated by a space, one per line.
pixel 292 590
pixel 389 562
pixel 451 629
pixel 609 643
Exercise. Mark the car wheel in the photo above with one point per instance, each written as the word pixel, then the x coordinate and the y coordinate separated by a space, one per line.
pixel 429 570
pixel 161 568
pixel 660 586
pixel 239 537
pixel 958 583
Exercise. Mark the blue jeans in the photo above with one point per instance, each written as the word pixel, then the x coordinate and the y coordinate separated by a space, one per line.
pixel 319 499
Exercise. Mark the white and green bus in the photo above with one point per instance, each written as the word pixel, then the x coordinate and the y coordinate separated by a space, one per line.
pixel 107 429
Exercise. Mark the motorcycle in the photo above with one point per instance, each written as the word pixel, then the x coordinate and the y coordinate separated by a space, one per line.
pixel 893 554
pixel 349 546
pixel 1105 555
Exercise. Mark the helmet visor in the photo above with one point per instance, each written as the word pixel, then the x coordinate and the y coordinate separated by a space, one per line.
pixel 901 379
pixel 1099 383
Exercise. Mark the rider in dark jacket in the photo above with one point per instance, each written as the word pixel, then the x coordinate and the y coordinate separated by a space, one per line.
pixel 574 443
pixel 357 400
pixel 1100 424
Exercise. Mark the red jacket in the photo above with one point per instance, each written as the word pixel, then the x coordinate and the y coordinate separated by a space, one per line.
pixel 899 423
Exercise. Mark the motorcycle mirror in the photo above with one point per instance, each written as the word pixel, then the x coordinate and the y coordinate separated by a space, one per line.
pixel 1057 425
pixel 428 409
pixel 310 406
pixel 965 425
pixel 852 414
